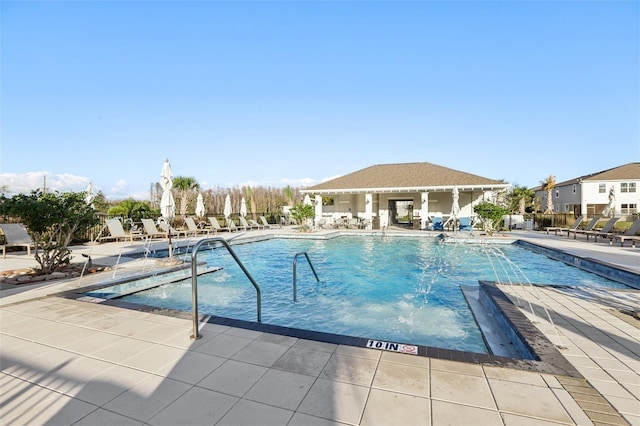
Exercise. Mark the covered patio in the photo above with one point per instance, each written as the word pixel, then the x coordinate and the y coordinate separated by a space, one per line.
pixel 406 194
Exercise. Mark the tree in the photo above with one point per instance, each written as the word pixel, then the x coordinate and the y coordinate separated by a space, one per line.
pixel 185 185
pixel 300 213
pixel 547 185
pixel 288 194
pixel 51 220
pixel 134 210
pixel 491 215
pixel 520 198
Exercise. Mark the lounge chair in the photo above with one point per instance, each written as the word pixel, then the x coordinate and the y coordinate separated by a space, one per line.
pixel 587 228
pixel 606 229
pixel 244 224
pixel 630 234
pixel 264 222
pixel 437 223
pixel 117 232
pixel 191 225
pixel 177 232
pixel 231 225
pixel 15 235
pixel 465 224
pixel 254 224
pixel 575 225
pixel 151 230
pixel 216 225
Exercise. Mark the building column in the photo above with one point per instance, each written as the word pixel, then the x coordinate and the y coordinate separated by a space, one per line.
pixel 424 210
pixel 318 208
pixel 368 206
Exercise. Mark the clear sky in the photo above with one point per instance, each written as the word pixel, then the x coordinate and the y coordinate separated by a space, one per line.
pixel 277 93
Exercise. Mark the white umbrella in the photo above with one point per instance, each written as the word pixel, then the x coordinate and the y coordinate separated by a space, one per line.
pixel 455 206
pixel 227 206
pixel 243 208
pixel 89 198
pixel 200 210
pixel 167 205
pixel 307 200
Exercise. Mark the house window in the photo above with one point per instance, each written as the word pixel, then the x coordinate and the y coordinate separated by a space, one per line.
pixel 602 188
pixel 628 187
pixel 573 188
pixel 557 193
pixel 566 207
pixel 628 208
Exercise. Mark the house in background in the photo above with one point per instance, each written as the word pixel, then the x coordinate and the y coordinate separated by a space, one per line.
pixel 399 194
pixel 590 194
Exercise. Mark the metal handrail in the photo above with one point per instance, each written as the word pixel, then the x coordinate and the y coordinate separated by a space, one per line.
pixel 295 268
pixel 194 280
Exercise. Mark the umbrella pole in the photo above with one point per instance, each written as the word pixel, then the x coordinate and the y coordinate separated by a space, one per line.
pixel 170 245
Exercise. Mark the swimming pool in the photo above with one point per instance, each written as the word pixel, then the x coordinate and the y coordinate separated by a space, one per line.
pixel 398 289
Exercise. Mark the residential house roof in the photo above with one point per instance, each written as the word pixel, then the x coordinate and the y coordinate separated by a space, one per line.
pixel 405 177
pixel 626 171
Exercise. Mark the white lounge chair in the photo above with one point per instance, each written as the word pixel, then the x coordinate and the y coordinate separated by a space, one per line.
pixel 15 235
pixel 177 232
pixel 216 225
pixel 244 224
pixel 231 225
pixel 254 224
pixel 264 222
pixel 151 230
pixel 117 232
pixel 191 225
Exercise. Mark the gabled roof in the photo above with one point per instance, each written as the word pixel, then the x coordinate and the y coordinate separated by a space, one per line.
pixel 405 177
pixel 629 171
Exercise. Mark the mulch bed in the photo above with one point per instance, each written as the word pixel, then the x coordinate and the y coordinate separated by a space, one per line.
pixel 31 275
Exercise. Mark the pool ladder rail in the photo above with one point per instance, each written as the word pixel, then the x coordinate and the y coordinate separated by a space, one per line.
pixel 194 280
pixel 295 268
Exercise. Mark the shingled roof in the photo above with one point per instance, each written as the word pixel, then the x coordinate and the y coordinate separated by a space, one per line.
pixel 404 177
pixel 629 171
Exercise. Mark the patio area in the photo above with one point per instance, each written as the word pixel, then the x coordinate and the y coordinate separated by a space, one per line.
pixel 69 362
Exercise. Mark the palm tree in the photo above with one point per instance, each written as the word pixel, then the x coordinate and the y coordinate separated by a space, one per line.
pixel 185 185
pixel 288 194
pixel 547 185
pixel 520 198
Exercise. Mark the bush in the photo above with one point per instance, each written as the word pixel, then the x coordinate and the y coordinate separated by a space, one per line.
pixel 51 219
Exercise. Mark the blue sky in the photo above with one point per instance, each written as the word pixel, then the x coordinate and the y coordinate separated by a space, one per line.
pixel 277 93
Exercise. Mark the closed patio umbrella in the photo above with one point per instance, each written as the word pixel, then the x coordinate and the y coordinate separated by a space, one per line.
pixel 90 196
pixel 200 210
pixel 167 204
pixel 455 205
pixel 243 208
pixel 227 207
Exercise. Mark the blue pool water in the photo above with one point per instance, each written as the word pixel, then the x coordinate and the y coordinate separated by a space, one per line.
pixel 393 289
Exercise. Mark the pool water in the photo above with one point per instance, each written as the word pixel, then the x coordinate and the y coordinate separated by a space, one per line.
pixel 399 289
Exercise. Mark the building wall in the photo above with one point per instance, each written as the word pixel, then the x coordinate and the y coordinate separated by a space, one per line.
pixel 591 197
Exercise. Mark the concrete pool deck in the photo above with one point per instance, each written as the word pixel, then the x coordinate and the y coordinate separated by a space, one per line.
pixel 71 362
